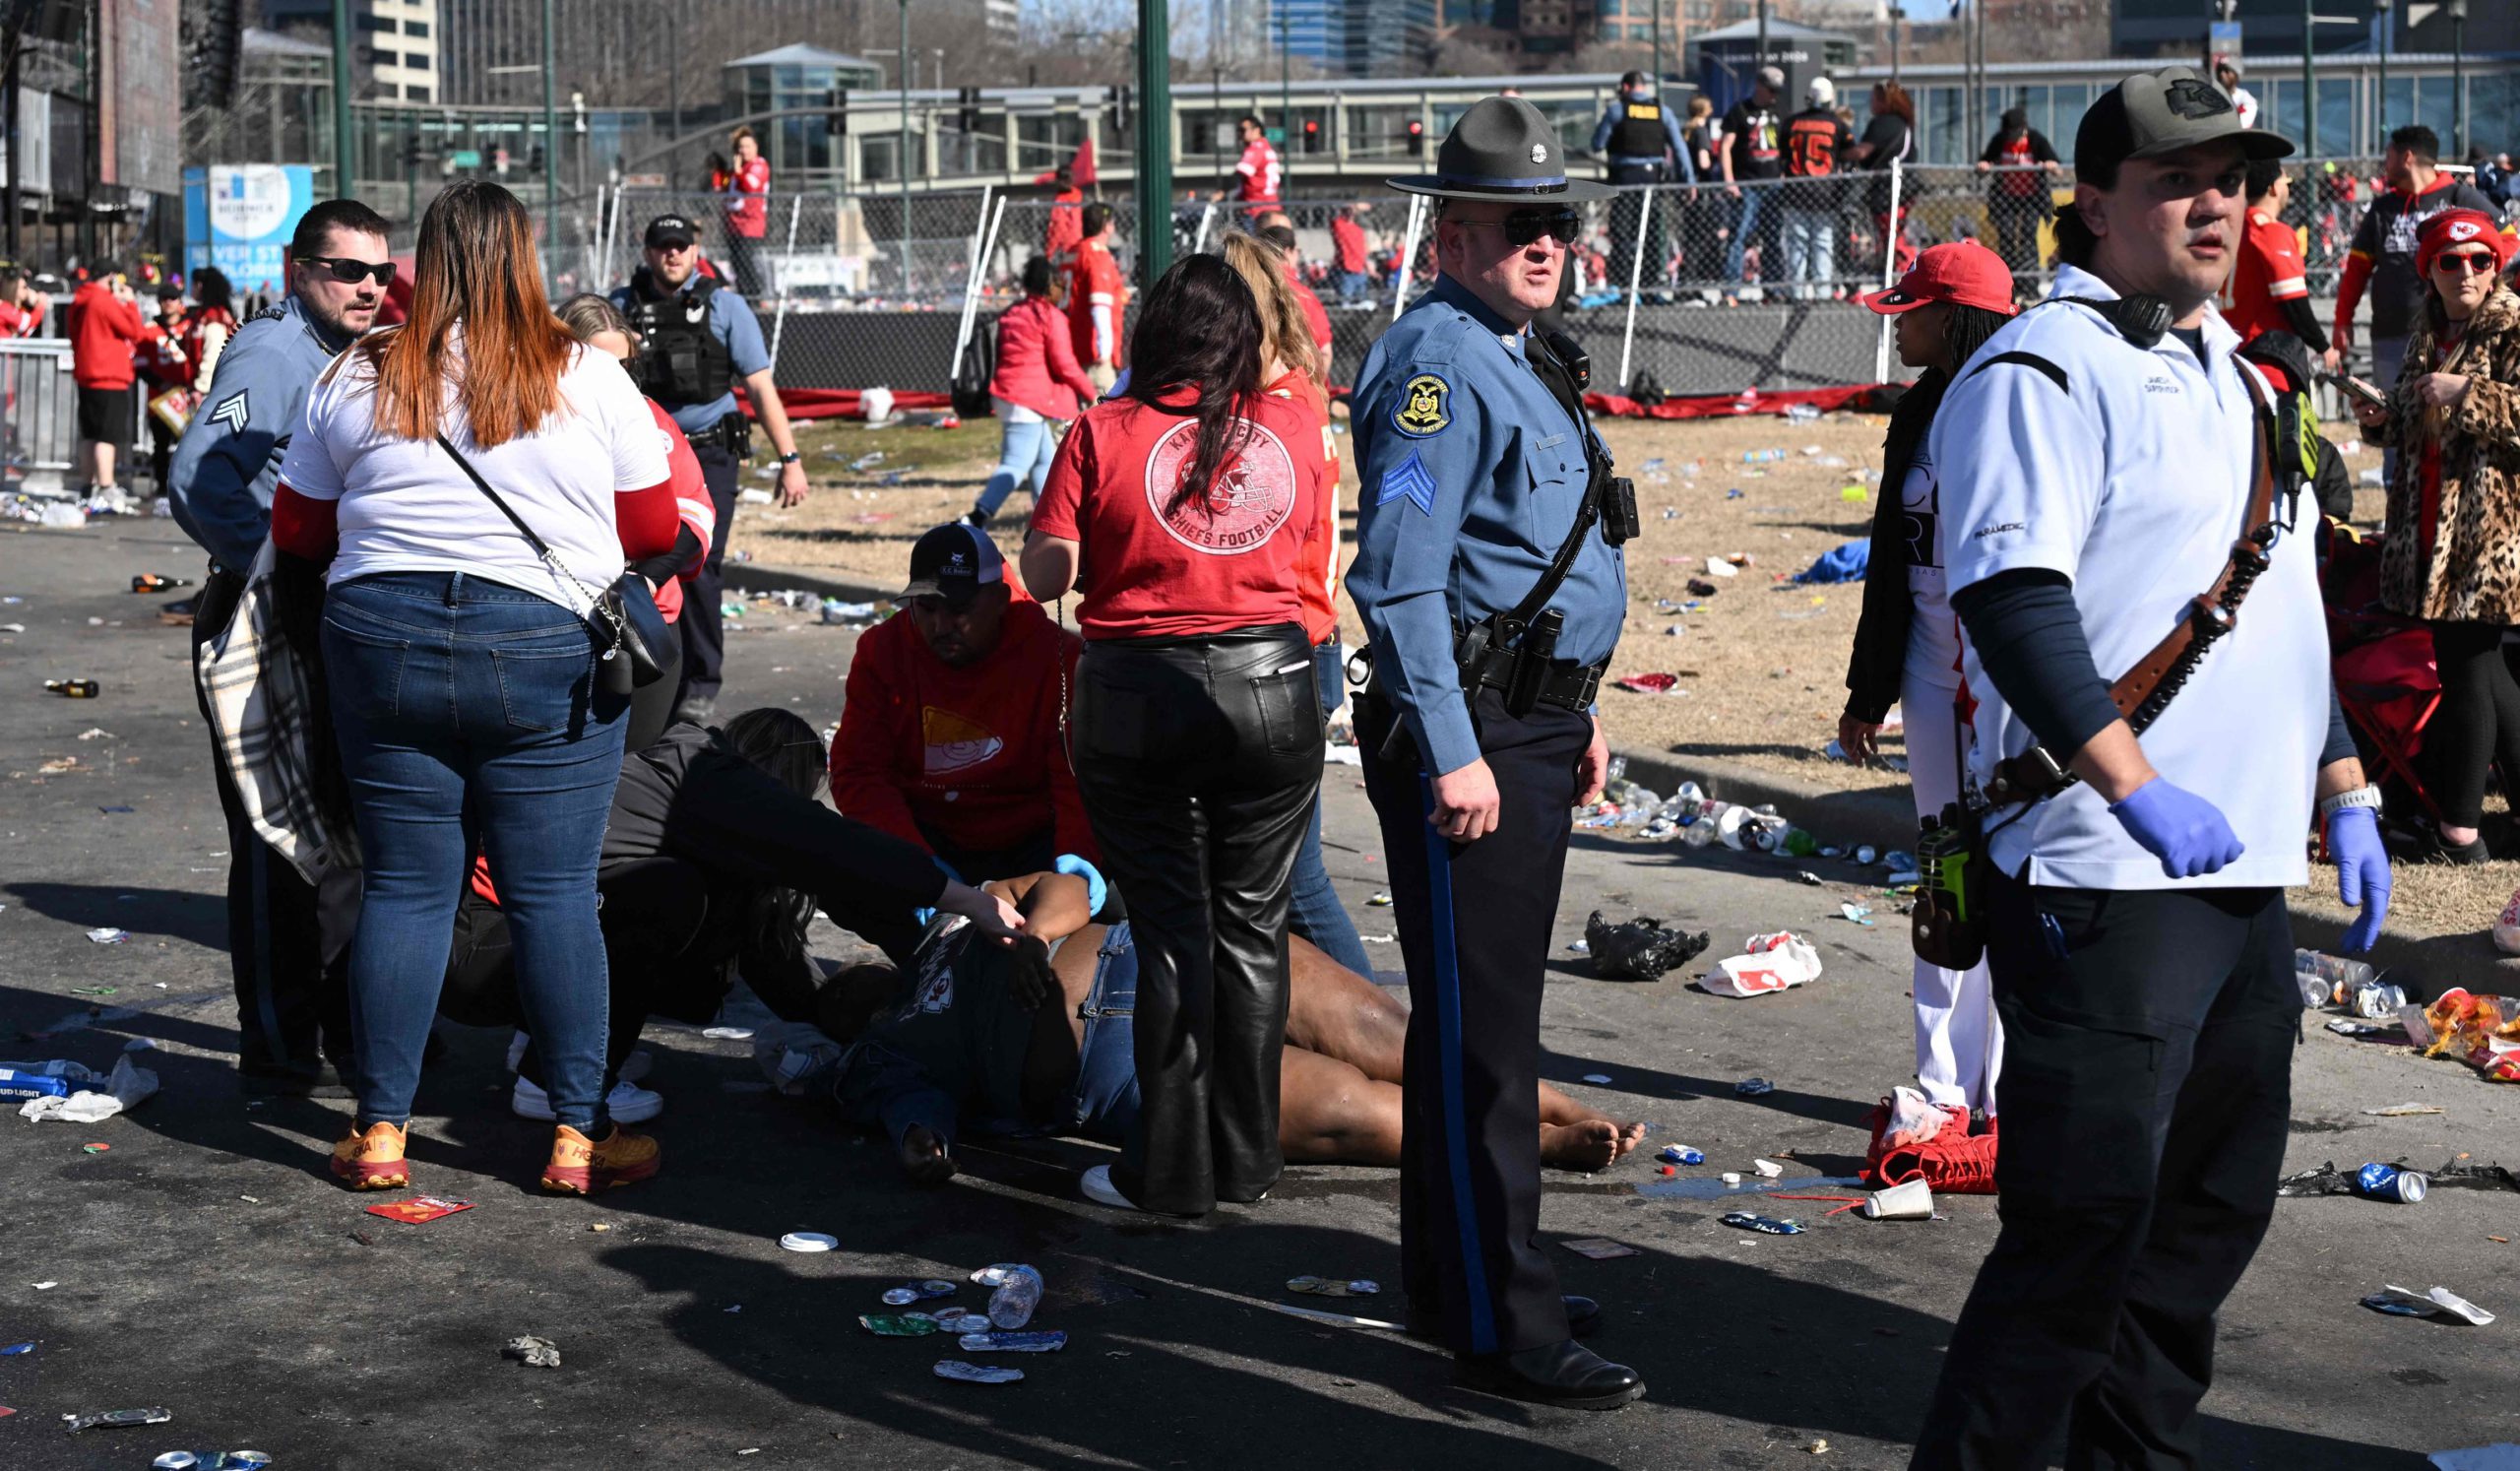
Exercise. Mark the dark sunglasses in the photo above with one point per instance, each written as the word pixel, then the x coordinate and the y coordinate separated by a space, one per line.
pixel 349 272
pixel 1523 226
pixel 2477 262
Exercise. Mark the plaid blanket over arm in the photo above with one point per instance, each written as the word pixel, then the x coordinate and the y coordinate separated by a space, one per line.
pixel 262 715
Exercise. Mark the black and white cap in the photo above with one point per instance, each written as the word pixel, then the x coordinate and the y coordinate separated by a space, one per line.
pixel 953 561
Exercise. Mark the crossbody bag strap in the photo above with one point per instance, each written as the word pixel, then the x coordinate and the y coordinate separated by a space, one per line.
pixel 560 574
pixel 1561 388
pixel 2146 689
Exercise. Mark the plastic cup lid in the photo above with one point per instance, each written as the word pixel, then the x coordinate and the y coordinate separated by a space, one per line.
pixel 808 1241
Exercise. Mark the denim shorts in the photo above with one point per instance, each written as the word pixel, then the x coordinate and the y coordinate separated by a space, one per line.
pixel 1106 1064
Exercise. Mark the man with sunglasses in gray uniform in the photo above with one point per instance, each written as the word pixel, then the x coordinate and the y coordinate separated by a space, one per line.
pixel 286 938
pixel 1490 583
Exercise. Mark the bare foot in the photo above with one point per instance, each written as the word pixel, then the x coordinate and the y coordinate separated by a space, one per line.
pixel 1630 1136
pixel 1588 1146
pixel 924 1157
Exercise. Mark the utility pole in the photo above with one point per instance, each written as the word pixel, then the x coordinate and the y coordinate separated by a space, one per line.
pixel 551 140
pixel 342 165
pixel 1657 46
pixel 1763 38
pixel 1286 113
pixel 1154 140
pixel 2308 130
pixel 1898 13
pixel 904 160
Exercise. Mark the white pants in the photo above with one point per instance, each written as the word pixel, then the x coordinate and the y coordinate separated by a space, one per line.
pixel 1960 1045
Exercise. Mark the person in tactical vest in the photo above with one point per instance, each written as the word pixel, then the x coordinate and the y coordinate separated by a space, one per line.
pixel 699 338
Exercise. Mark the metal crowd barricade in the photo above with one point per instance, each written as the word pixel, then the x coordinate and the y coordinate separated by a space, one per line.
pixel 39 413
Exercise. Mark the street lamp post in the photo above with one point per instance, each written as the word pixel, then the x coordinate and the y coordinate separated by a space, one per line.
pixel 903 163
pixel 343 168
pixel 1898 14
pixel 2380 108
pixel 2459 78
pixel 2308 130
pixel 1286 113
pixel 551 138
pixel 1154 140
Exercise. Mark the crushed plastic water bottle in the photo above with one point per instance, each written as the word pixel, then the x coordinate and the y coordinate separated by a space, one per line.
pixel 1018 1293
pixel 868 461
pixel 1802 413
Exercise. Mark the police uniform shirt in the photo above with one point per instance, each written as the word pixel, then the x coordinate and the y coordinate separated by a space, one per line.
pixel 1472 476
pixel 737 330
pixel 2131 477
pixel 220 484
pixel 1615 134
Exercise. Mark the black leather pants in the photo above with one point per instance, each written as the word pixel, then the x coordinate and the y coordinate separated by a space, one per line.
pixel 1199 763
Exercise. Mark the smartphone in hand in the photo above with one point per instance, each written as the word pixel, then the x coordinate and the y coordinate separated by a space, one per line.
pixel 2357 390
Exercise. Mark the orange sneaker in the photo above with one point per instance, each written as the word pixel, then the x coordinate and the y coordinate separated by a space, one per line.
pixel 580 1165
pixel 373 1159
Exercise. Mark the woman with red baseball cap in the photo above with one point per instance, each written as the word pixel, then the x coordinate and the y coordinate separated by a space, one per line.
pixel 1906 643
pixel 2454 510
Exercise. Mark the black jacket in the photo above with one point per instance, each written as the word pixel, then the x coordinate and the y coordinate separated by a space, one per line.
pixel 1880 657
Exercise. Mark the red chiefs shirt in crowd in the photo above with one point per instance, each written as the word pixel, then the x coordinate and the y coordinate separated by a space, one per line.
pixel 160 357
pixel 1066 226
pixel 1318 567
pixel 1314 313
pixel 21 321
pixel 103 329
pixel 2268 274
pixel 969 757
pixel 749 199
pixel 1226 560
pixel 1261 171
pixel 691 505
pixel 1347 243
pixel 1096 282
pixel 1036 368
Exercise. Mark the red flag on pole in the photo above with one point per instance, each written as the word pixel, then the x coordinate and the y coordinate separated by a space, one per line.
pixel 1081 167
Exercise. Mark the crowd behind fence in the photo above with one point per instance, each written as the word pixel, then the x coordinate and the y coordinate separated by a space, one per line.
pixel 1685 288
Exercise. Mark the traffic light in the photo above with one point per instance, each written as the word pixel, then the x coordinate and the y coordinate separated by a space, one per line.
pixel 534 159
pixel 1416 138
pixel 970 111
pixel 839 118
pixel 1312 135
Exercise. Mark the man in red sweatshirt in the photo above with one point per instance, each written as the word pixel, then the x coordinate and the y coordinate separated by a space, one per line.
pixel 104 325
pixel 950 738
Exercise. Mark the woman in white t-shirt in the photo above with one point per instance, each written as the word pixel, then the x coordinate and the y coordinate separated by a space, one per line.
pixel 1907 644
pixel 461 666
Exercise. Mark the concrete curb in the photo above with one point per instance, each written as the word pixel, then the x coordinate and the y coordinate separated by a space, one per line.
pixel 754 577
pixel 1885 817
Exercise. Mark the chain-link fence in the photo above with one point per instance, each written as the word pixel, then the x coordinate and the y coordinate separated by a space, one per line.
pixel 1707 288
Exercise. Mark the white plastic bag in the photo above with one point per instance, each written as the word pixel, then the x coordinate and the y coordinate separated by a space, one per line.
pixel 125 1088
pixel 877 404
pixel 1769 962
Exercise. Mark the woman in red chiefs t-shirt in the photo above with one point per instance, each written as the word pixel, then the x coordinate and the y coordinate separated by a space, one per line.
pixel 1197 732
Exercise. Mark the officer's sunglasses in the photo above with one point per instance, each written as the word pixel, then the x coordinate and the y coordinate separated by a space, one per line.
pixel 349 272
pixel 2464 262
pixel 1523 226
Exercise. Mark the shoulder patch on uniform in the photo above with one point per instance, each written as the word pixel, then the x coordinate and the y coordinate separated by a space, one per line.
pixel 1411 481
pixel 233 412
pixel 1424 409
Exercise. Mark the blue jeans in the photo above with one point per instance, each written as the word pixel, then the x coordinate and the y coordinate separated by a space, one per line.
pixel 1745 225
pixel 464 705
pixel 1810 251
pixel 1313 910
pixel 1023 454
pixel 1354 286
pixel 1106 1105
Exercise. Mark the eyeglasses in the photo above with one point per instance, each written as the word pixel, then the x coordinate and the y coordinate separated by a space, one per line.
pixel 2463 262
pixel 349 272
pixel 1523 226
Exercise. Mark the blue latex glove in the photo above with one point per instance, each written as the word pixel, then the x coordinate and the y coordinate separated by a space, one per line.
pixel 2362 873
pixel 2183 830
pixel 1096 891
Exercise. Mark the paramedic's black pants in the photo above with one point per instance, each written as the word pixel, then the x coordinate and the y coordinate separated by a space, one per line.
pixel 2148 1054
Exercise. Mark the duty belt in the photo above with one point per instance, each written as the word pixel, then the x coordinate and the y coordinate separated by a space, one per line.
pixel 1568 685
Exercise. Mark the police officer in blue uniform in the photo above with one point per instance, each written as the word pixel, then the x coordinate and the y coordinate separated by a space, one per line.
pixel 1492 590
pixel 697 338
pixel 287 941
pixel 1640 140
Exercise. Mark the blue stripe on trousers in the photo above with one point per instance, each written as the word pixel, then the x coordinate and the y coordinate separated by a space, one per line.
pixel 1439 892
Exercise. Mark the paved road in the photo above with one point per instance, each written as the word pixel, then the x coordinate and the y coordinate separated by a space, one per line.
pixel 207 1264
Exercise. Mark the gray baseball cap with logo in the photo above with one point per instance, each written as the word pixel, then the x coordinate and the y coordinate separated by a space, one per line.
pixel 2153 113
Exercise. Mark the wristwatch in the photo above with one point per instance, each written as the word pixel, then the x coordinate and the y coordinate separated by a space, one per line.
pixel 2359 796
pixel 791 456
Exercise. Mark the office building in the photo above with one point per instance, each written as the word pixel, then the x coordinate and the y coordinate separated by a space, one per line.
pixel 397 41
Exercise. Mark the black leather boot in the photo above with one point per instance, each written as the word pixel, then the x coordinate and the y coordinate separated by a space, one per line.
pixel 1567 1375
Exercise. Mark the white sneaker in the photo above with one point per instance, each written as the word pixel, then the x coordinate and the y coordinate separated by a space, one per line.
pixel 633 1067
pixel 627 1103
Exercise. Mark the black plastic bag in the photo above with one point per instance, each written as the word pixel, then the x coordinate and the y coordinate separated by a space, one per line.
pixel 1640 949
